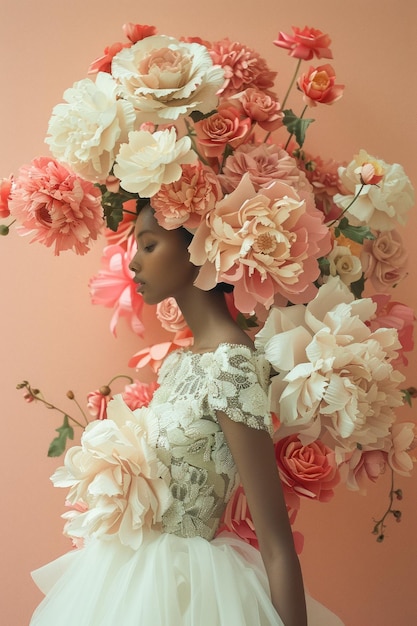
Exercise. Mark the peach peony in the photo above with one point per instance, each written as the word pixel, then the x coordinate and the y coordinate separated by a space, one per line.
pixel 264 243
pixel 57 206
pixel 117 475
pixel 384 260
pixel 186 201
pixel 5 190
pixel 113 286
pixel 170 316
pixel 318 86
pixel 166 79
pixel 226 127
pixel 305 43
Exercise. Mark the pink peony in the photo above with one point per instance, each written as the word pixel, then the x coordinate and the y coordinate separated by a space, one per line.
pixel 62 209
pixel 97 404
pixel 305 43
pixel 138 394
pixel 384 260
pixel 395 315
pixel 170 316
pixel 5 191
pixel 243 67
pixel 264 243
pixel 186 201
pixel 310 471
pixel 318 86
pixel 113 286
pixel 261 108
pixel 225 127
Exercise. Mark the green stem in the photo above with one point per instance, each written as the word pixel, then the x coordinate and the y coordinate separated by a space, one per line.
pixel 348 206
pixel 55 408
pixel 291 84
pixel 191 135
pixel 292 134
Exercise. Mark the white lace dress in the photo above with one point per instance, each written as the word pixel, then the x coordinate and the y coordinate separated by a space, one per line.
pixel 169 569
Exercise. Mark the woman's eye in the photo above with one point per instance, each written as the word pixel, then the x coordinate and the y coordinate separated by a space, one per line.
pixel 149 247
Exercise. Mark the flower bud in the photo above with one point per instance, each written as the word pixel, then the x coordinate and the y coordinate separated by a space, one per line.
pixel 105 390
pixel 380 538
pixel 70 395
pixel 398 494
pixel 4 230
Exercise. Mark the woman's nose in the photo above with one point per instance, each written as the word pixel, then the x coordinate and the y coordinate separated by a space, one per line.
pixel 134 265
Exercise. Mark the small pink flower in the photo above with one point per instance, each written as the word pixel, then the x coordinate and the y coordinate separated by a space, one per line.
pixel 395 315
pixel 170 316
pixel 5 190
pixel 113 286
pixel 261 108
pixel 308 470
pixel 243 67
pixel 60 207
pixel 137 32
pixel 225 127
pixel 371 173
pixel 305 43
pixel 97 404
pixel 186 201
pixel 138 394
pixel 318 86
pixel 155 355
pixel 103 63
pixel 384 260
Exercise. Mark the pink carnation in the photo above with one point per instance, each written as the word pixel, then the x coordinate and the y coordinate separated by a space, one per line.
pixel 5 190
pixel 310 471
pixel 62 209
pixel 264 243
pixel 395 315
pixel 324 178
pixel 113 286
pixel 305 43
pixel 169 314
pixel 319 86
pixel 243 67
pixel 138 394
pixel 384 260
pixel 186 201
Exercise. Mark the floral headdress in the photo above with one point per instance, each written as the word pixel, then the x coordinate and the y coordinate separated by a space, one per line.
pixel 196 129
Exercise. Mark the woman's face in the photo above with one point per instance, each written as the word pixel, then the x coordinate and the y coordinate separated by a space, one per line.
pixel 162 263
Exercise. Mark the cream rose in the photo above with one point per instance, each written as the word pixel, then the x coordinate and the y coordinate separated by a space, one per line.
pixel 344 264
pixel 86 131
pixel 166 79
pixel 150 160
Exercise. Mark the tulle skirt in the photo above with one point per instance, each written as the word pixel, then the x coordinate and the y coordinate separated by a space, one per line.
pixel 168 581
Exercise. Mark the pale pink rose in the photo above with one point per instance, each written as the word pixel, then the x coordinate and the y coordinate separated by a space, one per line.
pixel 395 315
pixel 242 66
pixel 118 476
pixel 264 164
pixel 264 243
pixel 137 32
pixel 113 286
pixel 103 63
pixel 97 404
pixel 138 394
pixel 384 260
pixel 261 108
pixel 155 355
pixel 337 378
pixel 380 207
pixel 363 467
pixel 169 314
pixel 55 205
pixel 404 441
pixel 344 264
pixel 166 79
pixel 87 129
pixel 225 127
pixel 125 228
pixel 5 190
pixel 310 471
pixel 186 201
pixel 305 43
pixel 150 160
pixel 319 86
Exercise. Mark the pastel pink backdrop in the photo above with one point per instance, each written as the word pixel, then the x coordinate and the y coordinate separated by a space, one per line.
pixel 52 336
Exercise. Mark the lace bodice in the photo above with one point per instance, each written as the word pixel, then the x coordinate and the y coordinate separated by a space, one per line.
pixel 186 433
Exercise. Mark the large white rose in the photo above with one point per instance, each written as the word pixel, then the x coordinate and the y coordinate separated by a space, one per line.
pixel 150 160
pixel 166 79
pixel 382 206
pixel 86 131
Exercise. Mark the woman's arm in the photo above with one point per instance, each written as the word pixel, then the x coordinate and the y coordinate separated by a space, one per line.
pixel 254 456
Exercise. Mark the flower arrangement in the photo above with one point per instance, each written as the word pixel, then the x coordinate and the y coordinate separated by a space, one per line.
pixel 196 129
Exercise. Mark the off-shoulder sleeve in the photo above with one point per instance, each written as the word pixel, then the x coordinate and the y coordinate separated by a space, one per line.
pixel 237 384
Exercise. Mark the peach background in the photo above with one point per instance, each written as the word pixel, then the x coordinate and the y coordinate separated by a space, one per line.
pixel 52 336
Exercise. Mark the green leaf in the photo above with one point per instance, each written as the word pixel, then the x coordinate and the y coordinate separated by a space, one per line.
pixel 357 287
pixel 245 323
pixel 354 233
pixel 407 397
pixel 197 116
pixel 296 126
pixel 57 446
